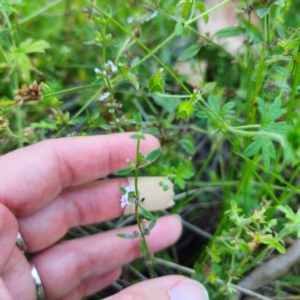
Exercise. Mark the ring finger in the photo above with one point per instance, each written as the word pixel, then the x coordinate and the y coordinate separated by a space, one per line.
pixel 63 267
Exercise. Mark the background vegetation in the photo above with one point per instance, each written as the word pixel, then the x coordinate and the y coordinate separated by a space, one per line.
pixel 230 143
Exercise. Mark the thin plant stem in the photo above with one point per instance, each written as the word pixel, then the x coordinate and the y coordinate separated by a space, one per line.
pixel 137 216
pixel 39 11
pixel 291 103
pixel 207 12
pixel 142 45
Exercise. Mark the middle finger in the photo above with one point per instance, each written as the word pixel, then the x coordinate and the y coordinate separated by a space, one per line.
pixel 90 203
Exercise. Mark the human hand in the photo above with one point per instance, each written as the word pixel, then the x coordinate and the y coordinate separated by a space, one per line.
pixel 48 188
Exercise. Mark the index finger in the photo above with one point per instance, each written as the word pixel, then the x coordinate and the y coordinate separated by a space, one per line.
pixel 31 177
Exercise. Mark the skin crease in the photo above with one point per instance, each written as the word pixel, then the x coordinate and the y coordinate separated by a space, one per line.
pixel 50 187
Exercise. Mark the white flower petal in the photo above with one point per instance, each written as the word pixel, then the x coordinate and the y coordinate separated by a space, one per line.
pixel 104 96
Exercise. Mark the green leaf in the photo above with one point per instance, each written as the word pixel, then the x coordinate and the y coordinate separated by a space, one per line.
pixel 289 213
pixel 133 80
pixel 24 63
pixel 262 12
pixel 34 47
pixel 280 31
pixel 165 188
pixel 186 108
pixel 108 10
pixel 186 32
pixel 190 52
pixel 253 32
pixel 230 32
pixel 156 83
pixel 124 71
pixel 152 223
pixel 227 109
pixel 153 155
pixel 123 190
pixel 266 145
pixel 293 44
pixel 245 248
pixel 208 87
pixel 137 117
pixel 187 143
pixel 3 33
pixel 138 136
pixel 123 172
pixel 185 8
pixel 272 242
pixel 273 113
pixel 45 124
pixel 202 8
pixel 279 247
pixel 214 104
pixel 281 71
pixel 178 28
pixel 105 127
pixel 297 57
pixel 167 104
pixel 147 214
pixel 78 121
pixel 278 127
pixel 143 247
pixel 126 236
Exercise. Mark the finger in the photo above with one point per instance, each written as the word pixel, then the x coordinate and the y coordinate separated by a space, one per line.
pixel 93 285
pixel 33 176
pixel 4 293
pixel 17 277
pixel 172 287
pixel 8 235
pixel 64 266
pixel 77 206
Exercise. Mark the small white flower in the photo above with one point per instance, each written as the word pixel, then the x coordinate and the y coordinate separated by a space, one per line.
pixel 124 199
pixel 111 66
pixel 104 73
pixel 97 71
pixel 104 96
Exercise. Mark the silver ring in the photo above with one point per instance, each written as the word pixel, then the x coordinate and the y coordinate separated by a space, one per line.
pixel 40 292
pixel 21 243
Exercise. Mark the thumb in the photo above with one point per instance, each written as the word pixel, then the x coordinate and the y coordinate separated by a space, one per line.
pixel 173 287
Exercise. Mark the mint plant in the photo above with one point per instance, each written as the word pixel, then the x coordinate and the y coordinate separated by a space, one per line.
pixel 229 143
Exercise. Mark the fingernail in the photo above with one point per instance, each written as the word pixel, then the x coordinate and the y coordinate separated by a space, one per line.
pixel 188 290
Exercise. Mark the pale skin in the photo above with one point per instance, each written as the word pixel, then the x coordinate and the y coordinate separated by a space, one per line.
pixel 49 188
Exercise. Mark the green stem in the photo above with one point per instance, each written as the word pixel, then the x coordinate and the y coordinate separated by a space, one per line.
pixel 137 216
pixel 247 126
pixel 259 257
pixel 271 135
pixel 153 51
pixel 293 94
pixel 207 12
pixel 111 100
pixel 122 49
pixel 267 30
pixel 40 11
pixel 136 172
pixel 72 89
pixel 103 46
pixel 141 44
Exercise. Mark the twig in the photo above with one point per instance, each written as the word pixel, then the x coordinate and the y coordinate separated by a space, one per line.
pixel 272 269
pixel 196 229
